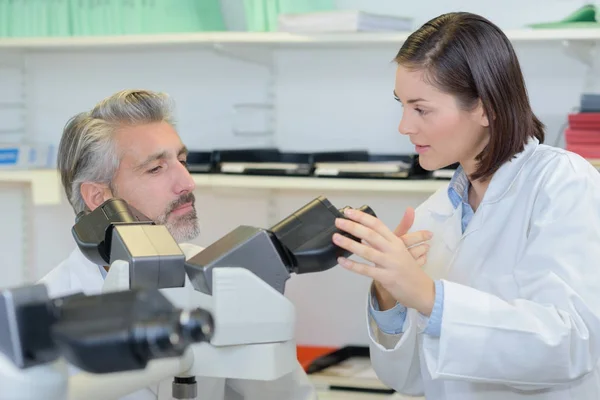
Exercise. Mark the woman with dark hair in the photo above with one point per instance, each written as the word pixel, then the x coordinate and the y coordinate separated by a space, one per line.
pixel 504 302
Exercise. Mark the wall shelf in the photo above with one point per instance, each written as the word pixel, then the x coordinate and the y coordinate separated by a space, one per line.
pixel 267 39
pixel 47 190
pixel 45 184
pixel 311 183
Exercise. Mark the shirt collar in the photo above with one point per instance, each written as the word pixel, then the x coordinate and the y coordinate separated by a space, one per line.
pixel 458 188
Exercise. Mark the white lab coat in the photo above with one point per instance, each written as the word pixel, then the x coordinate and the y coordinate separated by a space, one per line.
pixel 78 274
pixel 521 313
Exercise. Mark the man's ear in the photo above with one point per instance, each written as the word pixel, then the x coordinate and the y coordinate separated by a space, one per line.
pixel 94 194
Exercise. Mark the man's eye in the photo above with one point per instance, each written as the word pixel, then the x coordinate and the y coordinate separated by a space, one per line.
pixel 183 162
pixel 154 170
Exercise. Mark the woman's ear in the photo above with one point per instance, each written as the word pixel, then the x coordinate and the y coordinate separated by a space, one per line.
pixel 481 116
pixel 94 194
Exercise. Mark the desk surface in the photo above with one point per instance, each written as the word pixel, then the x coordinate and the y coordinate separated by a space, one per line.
pixel 343 395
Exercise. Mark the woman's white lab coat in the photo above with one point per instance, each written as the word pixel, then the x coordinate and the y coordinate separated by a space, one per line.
pixel 78 274
pixel 521 317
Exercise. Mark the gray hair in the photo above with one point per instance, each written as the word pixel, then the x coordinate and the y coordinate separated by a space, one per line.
pixel 87 151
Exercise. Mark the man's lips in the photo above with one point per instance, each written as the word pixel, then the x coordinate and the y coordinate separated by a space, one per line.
pixel 182 209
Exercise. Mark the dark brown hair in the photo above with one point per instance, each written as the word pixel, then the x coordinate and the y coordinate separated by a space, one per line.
pixel 469 57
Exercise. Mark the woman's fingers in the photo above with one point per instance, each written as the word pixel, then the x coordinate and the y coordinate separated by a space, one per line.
pixel 376 274
pixel 367 227
pixel 407 220
pixel 361 250
pixel 370 222
pixel 373 238
pixel 418 251
pixel 413 238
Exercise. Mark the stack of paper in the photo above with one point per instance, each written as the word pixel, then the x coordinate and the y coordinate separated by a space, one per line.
pixel 342 21
pixel 390 169
pixel 356 373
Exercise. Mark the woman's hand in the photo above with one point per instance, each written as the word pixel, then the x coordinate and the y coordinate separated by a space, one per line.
pixel 397 268
pixel 416 244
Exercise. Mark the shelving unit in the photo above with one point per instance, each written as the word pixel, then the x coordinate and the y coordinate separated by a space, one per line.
pixel 45 184
pixel 267 39
pixel 46 188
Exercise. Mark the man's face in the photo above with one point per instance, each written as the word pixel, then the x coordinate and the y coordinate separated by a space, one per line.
pixel 152 177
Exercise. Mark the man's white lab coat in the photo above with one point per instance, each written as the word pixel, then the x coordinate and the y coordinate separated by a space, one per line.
pixel 78 274
pixel 521 314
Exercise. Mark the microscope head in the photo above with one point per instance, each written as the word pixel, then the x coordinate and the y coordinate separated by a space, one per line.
pixel 117 231
pixel 93 230
pixel 110 332
pixel 306 236
pixel 300 243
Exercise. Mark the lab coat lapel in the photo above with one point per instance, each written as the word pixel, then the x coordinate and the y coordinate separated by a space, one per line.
pixel 452 230
pixel 467 258
pixel 84 274
pixel 444 222
pixel 447 217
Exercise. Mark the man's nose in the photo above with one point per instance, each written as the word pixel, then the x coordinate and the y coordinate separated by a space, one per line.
pixel 185 182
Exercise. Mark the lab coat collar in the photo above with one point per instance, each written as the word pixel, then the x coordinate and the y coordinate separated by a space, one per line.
pixel 508 173
pixel 439 204
pixel 441 207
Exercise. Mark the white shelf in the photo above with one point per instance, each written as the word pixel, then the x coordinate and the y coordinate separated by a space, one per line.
pixel 47 190
pixel 266 39
pixel 45 184
pixel 310 183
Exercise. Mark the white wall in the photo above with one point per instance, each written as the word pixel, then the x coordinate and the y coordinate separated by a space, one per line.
pixel 338 98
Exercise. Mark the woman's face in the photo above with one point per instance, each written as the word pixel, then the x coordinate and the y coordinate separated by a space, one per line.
pixel 441 131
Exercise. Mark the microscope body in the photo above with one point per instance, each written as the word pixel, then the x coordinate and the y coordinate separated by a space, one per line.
pixel 241 280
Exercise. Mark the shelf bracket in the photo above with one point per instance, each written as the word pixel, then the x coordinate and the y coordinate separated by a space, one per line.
pixel 582 51
pixel 260 55
pixel 588 54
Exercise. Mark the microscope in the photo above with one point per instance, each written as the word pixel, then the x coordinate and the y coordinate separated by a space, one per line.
pixel 106 335
pixel 239 280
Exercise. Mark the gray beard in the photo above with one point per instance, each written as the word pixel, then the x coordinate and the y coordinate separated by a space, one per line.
pixel 183 228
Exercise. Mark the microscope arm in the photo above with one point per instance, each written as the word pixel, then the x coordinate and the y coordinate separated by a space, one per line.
pixel 86 386
pixel 254 324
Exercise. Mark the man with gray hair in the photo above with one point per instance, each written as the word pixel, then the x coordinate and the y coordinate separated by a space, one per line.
pixel 127 147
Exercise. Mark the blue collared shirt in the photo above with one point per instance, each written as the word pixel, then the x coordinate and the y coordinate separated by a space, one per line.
pixel 392 321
